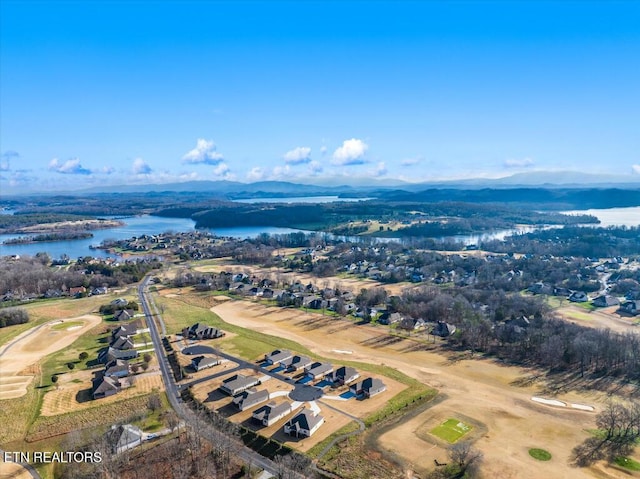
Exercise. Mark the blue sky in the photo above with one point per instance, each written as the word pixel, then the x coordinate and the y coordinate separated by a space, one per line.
pixel 98 93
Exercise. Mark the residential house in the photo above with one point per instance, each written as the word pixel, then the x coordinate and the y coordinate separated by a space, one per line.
pixel 343 375
pixel 124 331
pixel 388 318
pixel 238 383
pixel 124 437
pixel 77 292
pixel 111 354
pixel 201 331
pixel 578 297
pixel 203 362
pixel 250 398
pixel 304 424
pixel 368 387
pixel 123 315
pixel 271 413
pixel 122 343
pixel 630 307
pixel 605 300
pixel 443 329
pixel 411 324
pixel 296 363
pixel 540 288
pixel 105 386
pixel 319 370
pixel 118 368
pixel 277 356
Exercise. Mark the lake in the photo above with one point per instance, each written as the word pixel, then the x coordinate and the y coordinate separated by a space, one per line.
pixel 150 225
pixel 612 216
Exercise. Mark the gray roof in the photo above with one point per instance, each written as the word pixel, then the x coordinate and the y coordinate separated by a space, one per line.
pixel 278 355
pixel 296 361
pixel 238 382
pixel 318 369
pixel 305 419
pixel 249 398
pixel 271 410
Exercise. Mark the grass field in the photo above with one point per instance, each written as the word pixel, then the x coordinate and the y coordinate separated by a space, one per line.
pixel 627 463
pixel 452 430
pixel 66 325
pixel 540 454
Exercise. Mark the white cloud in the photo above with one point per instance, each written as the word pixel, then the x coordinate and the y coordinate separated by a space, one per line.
pixel 140 167
pixel 107 170
pixel 518 163
pixel 315 167
pixel 350 153
pixel 380 170
pixel 69 167
pixel 298 156
pixel 204 153
pixel 410 161
pixel 636 168
pixel 323 150
pixel 223 171
pixel 256 174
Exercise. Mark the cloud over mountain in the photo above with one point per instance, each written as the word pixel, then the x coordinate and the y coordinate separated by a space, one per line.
pixel 140 167
pixel 518 163
pixel 350 153
pixel 297 156
pixel 204 154
pixel 69 167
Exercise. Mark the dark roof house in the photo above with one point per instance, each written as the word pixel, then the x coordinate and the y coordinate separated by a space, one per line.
pixel 238 383
pixel 368 387
pixel 304 424
pixel 270 413
pixel 343 375
pixel 250 398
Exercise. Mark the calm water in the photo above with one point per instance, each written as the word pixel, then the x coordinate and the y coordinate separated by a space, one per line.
pixel 139 225
pixel 613 216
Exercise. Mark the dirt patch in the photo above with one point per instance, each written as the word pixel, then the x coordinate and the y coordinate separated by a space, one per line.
pixel 11 470
pixel 483 390
pixel 33 345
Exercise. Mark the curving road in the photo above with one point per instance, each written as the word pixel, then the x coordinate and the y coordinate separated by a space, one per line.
pixel 173 394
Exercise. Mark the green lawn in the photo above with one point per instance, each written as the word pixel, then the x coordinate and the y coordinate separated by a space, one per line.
pixel 66 325
pixel 451 430
pixel 627 463
pixel 540 454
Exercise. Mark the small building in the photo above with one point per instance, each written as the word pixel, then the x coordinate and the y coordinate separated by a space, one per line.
pixel 124 437
pixel 117 369
pixel 368 387
pixel 630 307
pixel 277 356
pixel 203 362
pixel 77 292
pixel 123 315
pixel 201 331
pixel 105 386
pixel 578 297
pixel 250 398
pixel 124 331
pixel 296 363
pixel 238 383
pixel 343 375
pixel 390 318
pixel 605 301
pixel 443 329
pixel 271 413
pixel 122 343
pixel 304 424
pixel 111 354
pixel 319 370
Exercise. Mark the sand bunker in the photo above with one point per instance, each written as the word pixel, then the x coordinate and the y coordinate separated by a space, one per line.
pixel 30 347
pixel 557 403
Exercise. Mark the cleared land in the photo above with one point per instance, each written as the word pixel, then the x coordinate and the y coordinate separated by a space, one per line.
pixel 490 393
pixel 10 470
pixel 70 395
pixel 33 345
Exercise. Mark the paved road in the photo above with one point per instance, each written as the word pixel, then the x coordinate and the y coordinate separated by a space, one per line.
pixel 184 412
